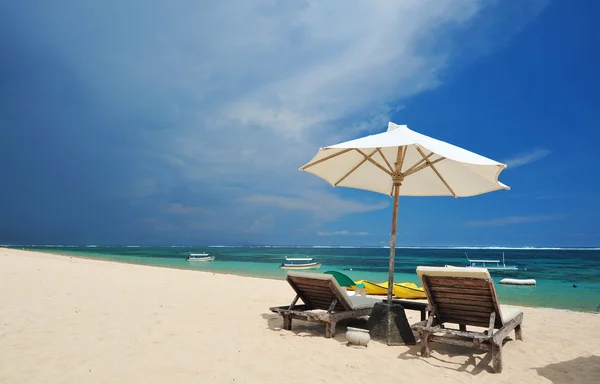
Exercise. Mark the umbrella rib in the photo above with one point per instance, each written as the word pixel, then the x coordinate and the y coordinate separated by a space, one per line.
pixel 415 165
pixel 326 158
pixel 386 160
pixel 423 166
pixel 373 161
pixel 436 172
pixel 354 168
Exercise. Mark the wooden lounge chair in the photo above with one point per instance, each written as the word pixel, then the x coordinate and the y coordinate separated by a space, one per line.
pixel 324 301
pixel 465 296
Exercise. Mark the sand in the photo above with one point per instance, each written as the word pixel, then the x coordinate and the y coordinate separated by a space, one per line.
pixel 73 320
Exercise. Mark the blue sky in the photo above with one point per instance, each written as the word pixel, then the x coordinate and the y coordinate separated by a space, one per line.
pixel 185 123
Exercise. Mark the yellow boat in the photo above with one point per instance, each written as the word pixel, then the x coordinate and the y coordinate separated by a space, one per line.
pixel 405 290
pixel 371 288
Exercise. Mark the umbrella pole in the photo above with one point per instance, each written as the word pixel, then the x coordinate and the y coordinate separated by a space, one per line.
pixel 393 243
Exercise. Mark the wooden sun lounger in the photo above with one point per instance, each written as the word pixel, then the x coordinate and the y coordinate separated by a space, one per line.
pixel 324 301
pixel 465 296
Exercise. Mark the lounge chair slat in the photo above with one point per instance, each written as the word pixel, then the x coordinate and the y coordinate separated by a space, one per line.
pixel 470 291
pixel 448 300
pixel 321 290
pixel 486 309
pixel 452 312
pixel 317 289
pixel 458 282
pixel 478 322
pixel 461 296
pixel 315 292
pixel 310 283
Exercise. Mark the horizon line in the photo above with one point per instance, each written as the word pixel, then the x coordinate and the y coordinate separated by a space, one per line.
pixel 489 247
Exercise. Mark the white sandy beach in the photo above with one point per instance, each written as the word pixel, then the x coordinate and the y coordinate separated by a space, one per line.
pixel 72 320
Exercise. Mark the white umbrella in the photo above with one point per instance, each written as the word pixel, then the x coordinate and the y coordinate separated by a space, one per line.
pixel 404 162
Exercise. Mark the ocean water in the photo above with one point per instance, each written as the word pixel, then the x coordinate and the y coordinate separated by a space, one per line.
pixel 567 278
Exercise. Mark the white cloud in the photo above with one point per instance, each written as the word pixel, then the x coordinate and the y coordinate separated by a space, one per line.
pixel 527 158
pixel 343 233
pixel 504 221
pixel 324 206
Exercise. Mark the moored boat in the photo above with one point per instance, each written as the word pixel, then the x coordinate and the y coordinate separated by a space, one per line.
pixel 300 263
pixel 491 265
pixel 307 259
pixel 310 265
pixel 200 257
pixel 518 281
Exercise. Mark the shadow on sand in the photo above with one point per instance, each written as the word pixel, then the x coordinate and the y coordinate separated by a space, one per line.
pixel 579 370
pixel 477 360
pixel 311 329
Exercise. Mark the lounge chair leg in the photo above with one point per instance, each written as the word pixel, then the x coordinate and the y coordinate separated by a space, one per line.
pixel 518 333
pixel 287 323
pixel 425 352
pixel 462 327
pixel 330 329
pixel 497 357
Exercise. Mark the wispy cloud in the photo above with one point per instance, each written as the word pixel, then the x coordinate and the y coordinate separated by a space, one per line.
pixel 510 220
pixel 343 233
pixel 325 206
pixel 527 158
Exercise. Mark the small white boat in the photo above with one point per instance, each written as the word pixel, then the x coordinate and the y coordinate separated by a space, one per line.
pixel 300 263
pixel 491 265
pixel 311 265
pixel 298 258
pixel 200 257
pixel 518 281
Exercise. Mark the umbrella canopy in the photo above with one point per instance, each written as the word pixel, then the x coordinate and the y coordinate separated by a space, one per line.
pixel 404 162
pixel 343 280
pixel 425 166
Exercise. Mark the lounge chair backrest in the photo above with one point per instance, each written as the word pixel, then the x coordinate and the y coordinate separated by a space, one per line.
pixel 461 295
pixel 318 291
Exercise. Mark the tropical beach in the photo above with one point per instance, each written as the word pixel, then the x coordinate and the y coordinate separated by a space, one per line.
pixel 69 319
pixel 299 191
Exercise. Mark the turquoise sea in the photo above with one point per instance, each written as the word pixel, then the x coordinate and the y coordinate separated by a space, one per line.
pixel 567 278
